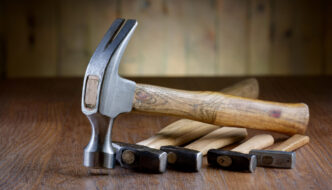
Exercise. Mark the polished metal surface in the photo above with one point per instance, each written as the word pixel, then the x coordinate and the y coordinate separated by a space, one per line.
pixel 114 95
pixel 145 158
pixel 231 160
pixel 275 159
pixel 183 159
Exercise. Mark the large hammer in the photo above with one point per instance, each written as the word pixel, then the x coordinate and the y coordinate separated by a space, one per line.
pixel 145 156
pixel 105 95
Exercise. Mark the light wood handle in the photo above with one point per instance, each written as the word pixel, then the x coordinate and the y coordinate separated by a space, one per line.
pixel 218 139
pixel 248 88
pixel 185 130
pixel 221 109
pixel 256 142
pixel 292 143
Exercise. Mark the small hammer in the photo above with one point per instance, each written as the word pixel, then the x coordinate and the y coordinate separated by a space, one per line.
pixel 105 95
pixel 280 156
pixel 145 156
pixel 238 158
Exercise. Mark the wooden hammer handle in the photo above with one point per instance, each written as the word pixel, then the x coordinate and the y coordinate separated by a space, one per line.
pixel 185 130
pixel 221 109
pixel 256 142
pixel 218 139
pixel 292 143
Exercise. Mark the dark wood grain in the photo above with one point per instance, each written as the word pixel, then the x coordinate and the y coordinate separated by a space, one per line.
pixel 207 38
pixel 43 132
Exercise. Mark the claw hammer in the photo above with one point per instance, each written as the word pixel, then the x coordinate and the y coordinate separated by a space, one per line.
pixel 105 95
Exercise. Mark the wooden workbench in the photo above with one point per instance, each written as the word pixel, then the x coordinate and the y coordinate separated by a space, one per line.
pixel 43 133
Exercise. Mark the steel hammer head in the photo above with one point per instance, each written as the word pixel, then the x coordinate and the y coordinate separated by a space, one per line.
pixel 275 159
pixel 140 157
pixel 231 160
pixel 183 158
pixel 105 94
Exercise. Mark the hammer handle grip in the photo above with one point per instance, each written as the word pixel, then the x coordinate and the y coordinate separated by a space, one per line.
pixel 221 109
pixel 293 143
pixel 256 142
pixel 218 138
pixel 186 131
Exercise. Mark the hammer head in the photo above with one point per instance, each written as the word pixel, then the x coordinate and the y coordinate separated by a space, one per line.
pixel 105 94
pixel 275 159
pixel 183 158
pixel 231 160
pixel 140 157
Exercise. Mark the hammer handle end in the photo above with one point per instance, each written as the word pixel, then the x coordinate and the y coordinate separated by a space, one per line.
pixel 293 143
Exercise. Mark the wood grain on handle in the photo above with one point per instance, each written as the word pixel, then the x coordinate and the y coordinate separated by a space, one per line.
pixel 185 130
pixel 221 109
pixel 292 143
pixel 256 142
pixel 218 139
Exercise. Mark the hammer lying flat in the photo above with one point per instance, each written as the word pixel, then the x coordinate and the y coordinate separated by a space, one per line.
pixel 144 156
pixel 238 158
pixel 105 95
pixel 185 130
pixel 278 157
pixel 189 158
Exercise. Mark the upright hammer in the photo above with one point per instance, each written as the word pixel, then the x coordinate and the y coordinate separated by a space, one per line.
pixel 105 95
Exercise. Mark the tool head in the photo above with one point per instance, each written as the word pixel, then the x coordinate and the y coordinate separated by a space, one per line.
pixel 275 159
pixel 183 158
pixel 231 160
pixel 140 157
pixel 105 94
pixel 104 91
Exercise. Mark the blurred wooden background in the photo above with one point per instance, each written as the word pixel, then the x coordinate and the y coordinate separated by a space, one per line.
pixel 173 38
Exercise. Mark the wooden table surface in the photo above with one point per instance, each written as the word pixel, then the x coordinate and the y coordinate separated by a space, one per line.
pixel 43 133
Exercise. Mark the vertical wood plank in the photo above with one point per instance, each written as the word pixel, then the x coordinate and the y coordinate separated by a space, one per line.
pixel 81 27
pixel 182 41
pixel 281 36
pixel 232 37
pixel 146 51
pixel 174 38
pixel 259 34
pixel 31 38
pixel 73 34
pixel 307 49
pixel 200 37
pixel 327 37
pixel 100 15
pixel 176 58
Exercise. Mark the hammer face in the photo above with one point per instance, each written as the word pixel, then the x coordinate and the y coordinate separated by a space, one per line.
pixel 275 159
pixel 98 153
pixel 230 160
pixel 140 158
pixel 183 159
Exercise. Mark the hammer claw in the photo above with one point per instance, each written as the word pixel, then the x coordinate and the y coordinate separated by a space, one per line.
pixel 107 39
